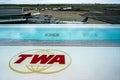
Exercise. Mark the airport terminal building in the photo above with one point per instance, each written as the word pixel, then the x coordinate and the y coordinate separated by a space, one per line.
pixel 13 15
pixel 17 15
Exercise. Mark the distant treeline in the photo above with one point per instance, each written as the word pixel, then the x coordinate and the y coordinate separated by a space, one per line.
pixel 60 5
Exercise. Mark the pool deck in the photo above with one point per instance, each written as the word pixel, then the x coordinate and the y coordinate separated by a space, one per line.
pixel 87 43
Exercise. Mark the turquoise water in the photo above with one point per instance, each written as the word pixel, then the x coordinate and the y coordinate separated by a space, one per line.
pixel 77 33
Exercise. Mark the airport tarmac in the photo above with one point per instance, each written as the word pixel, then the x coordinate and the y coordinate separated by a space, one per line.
pixel 71 16
pixel 68 16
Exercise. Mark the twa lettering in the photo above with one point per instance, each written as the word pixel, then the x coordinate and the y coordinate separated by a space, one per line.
pixel 42 59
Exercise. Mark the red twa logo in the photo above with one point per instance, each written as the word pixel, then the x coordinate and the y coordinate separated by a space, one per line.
pixel 40 61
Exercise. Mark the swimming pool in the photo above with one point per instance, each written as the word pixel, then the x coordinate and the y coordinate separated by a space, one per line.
pixel 66 34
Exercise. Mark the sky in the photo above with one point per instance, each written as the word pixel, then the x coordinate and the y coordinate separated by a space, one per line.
pixel 58 1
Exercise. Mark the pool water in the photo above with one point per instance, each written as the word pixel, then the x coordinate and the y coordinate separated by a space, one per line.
pixel 63 33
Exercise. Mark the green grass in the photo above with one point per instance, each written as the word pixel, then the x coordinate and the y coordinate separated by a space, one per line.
pixel 90 6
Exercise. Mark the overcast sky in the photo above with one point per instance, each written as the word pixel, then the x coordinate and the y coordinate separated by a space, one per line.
pixel 57 1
